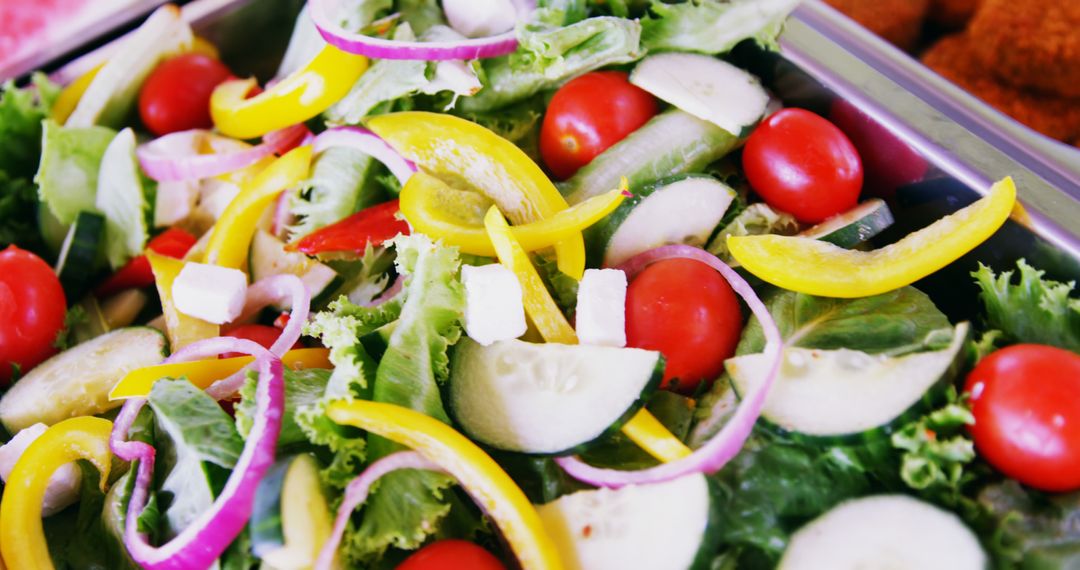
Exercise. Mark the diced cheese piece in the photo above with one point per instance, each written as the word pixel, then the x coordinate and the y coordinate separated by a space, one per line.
pixel 209 292
pixel 493 305
pixel 601 308
pixel 63 488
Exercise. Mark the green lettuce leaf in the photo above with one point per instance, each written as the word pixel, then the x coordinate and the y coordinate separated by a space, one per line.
pixel 713 26
pixel 67 177
pixel 342 182
pixel 84 536
pixel 1033 530
pixel 937 448
pixel 1034 310
pixel 122 199
pixel 421 15
pixel 752 220
pixel 18 213
pixel 303 388
pixel 21 114
pixel 548 57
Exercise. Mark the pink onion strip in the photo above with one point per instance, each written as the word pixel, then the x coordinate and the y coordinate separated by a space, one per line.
pixel 357 492
pixel 368 143
pixel 207 537
pixel 322 12
pixel 727 443
pixel 161 162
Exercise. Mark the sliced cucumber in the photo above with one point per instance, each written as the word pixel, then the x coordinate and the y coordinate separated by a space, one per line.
pixel 854 226
pixel 673 142
pixel 885 531
pixel 708 88
pixel 838 393
pixel 269 258
pixel 548 398
pixel 77 262
pixel 662 526
pixel 291 519
pixel 120 196
pixel 77 382
pixel 677 210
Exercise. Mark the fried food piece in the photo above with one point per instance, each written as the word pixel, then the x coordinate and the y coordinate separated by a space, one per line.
pixel 1031 43
pixel 952 13
pixel 897 21
pixel 954 58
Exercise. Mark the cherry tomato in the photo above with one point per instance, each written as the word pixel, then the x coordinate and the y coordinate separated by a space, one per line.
pixel 1027 414
pixel 588 115
pixel 32 307
pixel 802 164
pixel 176 96
pixel 687 311
pixel 452 555
pixel 265 336
pixel 136 274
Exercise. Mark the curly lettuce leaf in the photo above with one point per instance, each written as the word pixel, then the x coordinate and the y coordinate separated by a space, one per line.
pixel 21 114
pixel 713 26
pixel 342 182
pixel 752 220
pixel 1035 310
pixel 937 448
pixel 303 388
pixel 67 177
pixel 18 213
pixel 1033 529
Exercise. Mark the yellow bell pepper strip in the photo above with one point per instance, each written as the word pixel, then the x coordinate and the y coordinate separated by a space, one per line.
pixel 459 150
pixel 22 536
pixel 231 236
pixel 644 429
pixel 478 474
pixel 539 305
pixel 203 373
pixel 69 97
pixel 442 212
pixel 205 47
pixel 182 329
pixel 297 98
pixel 820 268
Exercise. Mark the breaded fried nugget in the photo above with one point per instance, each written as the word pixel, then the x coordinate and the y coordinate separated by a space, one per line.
pixel 952 13
pixel 897 21
pixel 1031 43
pixel 954 58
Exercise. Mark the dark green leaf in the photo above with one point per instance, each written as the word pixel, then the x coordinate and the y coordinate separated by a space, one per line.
pixel 1034 310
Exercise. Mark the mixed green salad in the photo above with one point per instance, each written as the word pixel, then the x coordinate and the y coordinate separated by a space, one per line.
pixel 502 283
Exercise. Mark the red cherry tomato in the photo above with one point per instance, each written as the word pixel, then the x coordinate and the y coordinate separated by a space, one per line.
pixel 588 115
pixel 262 334
pixel 452 555
pixel 32 307
pixel 1027 414
pixel 176 96
pixel 687 311
pixel 802 164
pixel 136 274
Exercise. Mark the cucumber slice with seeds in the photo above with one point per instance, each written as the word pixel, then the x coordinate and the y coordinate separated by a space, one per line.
pixel 854 226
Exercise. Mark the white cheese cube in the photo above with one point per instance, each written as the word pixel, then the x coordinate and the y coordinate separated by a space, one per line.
pixel 493 305
pixel 601 308
pixel 209 292
pixel 63 487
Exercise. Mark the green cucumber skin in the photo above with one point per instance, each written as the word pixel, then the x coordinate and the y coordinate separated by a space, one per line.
pixel 933 398
pixel 670 148
pixel 651 387
pixel 265 524
pixel 81 261
pixel 859 230
pixel 710 541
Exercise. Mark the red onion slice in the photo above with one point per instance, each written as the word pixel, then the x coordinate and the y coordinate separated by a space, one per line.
pixel 357 492
pixel 173 158
pixel 727 443
pixel 368 143
pixel 493 46
pixel 207 537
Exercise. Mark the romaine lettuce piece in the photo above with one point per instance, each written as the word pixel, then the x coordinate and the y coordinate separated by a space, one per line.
pixel 713 27
pixel 120 197
pixel 67 177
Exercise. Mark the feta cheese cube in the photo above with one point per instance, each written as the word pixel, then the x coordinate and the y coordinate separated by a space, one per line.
pixel 493 305
pixel 601 308
pixel 63 487
pixel 210 292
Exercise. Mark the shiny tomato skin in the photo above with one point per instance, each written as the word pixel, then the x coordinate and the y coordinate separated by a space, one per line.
pixel 588 115
pixel 802 164
pixel 687 311
pixel 176 95
pixel 1026 402
pixel 32 308
pixel 264 335
pixel 452 555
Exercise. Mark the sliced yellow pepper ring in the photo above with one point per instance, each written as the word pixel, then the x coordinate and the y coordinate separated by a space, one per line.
pixel 22 536
pixel 203 373
pixel 477 473
pixel 442 212
pixel 460 151
pixel 820 268
pixel 205 47
pixel 182 329
pixel 297 98
pixel 69 97
pixel 644 429
pixel 231 236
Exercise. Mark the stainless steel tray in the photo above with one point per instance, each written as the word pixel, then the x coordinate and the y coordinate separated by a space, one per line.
pixel 824 58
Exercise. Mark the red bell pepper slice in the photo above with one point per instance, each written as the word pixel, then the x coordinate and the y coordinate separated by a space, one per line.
pixel 173 242
pixel 353 234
